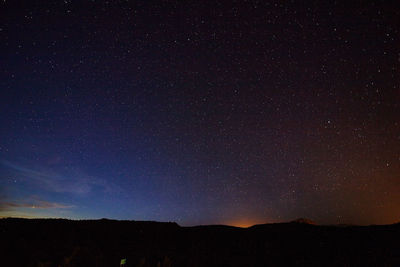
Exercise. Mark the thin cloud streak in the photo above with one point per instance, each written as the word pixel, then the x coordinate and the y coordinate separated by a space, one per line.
pixel 76 183
pixel 37 204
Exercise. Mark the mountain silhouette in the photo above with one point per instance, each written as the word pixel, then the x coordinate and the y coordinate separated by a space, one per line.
pixel 60 242
pixel 304 220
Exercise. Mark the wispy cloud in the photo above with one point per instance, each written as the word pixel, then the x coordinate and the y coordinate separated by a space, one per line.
pixel 74 181
pixel 33 204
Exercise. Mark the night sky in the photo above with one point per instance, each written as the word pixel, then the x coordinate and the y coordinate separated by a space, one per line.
pixel 201 112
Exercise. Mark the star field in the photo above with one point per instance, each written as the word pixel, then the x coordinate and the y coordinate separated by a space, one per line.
pixel 233 112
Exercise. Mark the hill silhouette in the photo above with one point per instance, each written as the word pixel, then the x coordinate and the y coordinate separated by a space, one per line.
pixel 60 242
pixel 304 220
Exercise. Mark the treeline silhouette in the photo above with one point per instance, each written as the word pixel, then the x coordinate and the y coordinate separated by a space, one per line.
pixel 60 242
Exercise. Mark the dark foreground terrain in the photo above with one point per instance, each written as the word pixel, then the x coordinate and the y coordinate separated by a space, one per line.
pixel 54 242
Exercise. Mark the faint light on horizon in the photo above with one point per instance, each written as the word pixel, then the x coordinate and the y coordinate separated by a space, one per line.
pixel 243 223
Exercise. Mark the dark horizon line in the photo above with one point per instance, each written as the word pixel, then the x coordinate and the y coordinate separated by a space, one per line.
pixel 296 221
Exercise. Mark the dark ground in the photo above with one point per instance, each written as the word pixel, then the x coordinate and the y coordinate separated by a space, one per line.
pixel 56 242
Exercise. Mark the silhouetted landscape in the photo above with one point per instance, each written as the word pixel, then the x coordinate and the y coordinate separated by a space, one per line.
pixel 61 242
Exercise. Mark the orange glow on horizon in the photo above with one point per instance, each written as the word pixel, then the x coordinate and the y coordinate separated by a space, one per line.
pixel 243 223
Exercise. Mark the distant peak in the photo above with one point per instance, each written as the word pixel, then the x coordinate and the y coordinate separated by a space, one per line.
pixel 304 221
